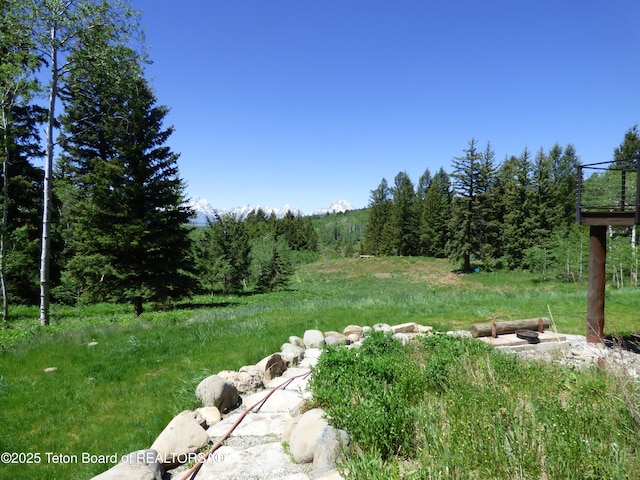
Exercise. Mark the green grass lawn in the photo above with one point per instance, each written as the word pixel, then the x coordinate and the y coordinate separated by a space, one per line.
pixel 118 395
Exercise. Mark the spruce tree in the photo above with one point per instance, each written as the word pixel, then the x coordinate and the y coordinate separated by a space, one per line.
pixel 436 210
pixel 224 254
pixel 22 198
pixel 18 143
pixel 515 190
pixel 60 27
pixel 466 224
pixel 401 232
pixel 128 216
pixel 627 154
pixel 379 206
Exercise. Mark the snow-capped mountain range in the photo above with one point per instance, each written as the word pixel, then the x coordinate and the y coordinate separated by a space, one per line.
pixel 204 209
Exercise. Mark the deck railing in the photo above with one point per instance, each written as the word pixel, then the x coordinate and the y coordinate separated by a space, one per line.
pixel 608 193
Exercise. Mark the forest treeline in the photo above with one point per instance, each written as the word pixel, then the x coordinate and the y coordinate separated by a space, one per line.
pixel 107 219
pixel 517 214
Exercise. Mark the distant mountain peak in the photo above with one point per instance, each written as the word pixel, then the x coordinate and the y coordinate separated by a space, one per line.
pixel 204 209
pixel 338 206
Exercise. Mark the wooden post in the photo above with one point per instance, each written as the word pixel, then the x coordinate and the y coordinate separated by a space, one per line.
pixel 597 279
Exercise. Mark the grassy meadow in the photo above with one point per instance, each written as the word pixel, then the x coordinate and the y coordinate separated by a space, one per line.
pixel 117 395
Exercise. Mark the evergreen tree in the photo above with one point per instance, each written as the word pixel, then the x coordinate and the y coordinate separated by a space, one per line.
pixel 564 171
pixel 258 224
pixel 488 214
pixel 379 207
pixel 129 220
pixel 515 190
pixel 401 231
pixel 58 28
pixel 224 254
pixel 271 264
pixel 627 154
pixel 436 211
pixel 23 201
pixel 465 226
pixel 298 232
pixel 548 209
pixel 18 137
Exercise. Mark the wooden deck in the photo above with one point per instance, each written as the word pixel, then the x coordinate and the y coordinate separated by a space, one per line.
pixel 603 219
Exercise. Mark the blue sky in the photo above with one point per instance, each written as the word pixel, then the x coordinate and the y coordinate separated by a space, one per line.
pixel 304 102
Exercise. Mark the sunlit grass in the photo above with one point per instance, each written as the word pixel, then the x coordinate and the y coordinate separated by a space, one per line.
pixel 118 395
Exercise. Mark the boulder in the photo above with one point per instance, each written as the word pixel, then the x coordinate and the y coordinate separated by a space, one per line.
pixel 352 330
pixel 382 327
pixel 289 427
pixel 271 367
pixel 215 391
pixel 425 329
pixel 128 471
pixel 335 338
pixel 366 331
pixel 353 338
pixel 410 327
pixel 297 341
pixel 246 382
pixel 329 447
pixel 210 416
pixel 140 465
pixel 331 475
pixel 294 352
pixel 304 436
pixel 181 437
pixel 313 339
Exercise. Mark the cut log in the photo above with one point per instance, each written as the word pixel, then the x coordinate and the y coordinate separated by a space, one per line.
pixel 502 328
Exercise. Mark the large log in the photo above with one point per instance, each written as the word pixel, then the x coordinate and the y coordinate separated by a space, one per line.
pixel 510 326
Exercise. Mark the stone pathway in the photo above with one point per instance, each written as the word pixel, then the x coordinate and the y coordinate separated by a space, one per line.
pixel 254 450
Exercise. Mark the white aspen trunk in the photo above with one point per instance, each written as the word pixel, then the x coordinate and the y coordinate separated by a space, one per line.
pixel 5 221
pixel 45 253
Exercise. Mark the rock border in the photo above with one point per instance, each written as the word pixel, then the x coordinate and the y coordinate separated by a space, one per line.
pixel 309 437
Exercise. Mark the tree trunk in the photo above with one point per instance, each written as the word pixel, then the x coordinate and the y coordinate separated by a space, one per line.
pixel 509 326
pixel 45 253
pixel 5 221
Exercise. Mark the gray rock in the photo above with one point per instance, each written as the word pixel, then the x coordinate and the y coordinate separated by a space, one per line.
pixel 382 327
pixel 215 391
pixel 297 341
pixel 182 436
pixel 331 475
pixel 366 331
pixel 410 327
pixel 329 447
pixel 246 382
pixel 128 471
pixel 313 339
pixel 294 351
pixel 352 330
pixel 334 338
pixel 210 416
pixel 139 465
pixel 271 367
pixel 304 436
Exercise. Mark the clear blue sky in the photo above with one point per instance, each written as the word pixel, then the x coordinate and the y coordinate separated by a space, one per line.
pixel 307 101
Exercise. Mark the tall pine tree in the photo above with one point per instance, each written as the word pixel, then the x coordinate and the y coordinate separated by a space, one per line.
pixel 436 211
pixel 401 232
pixel 128 216
pixel 467 223
pixel 379 206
